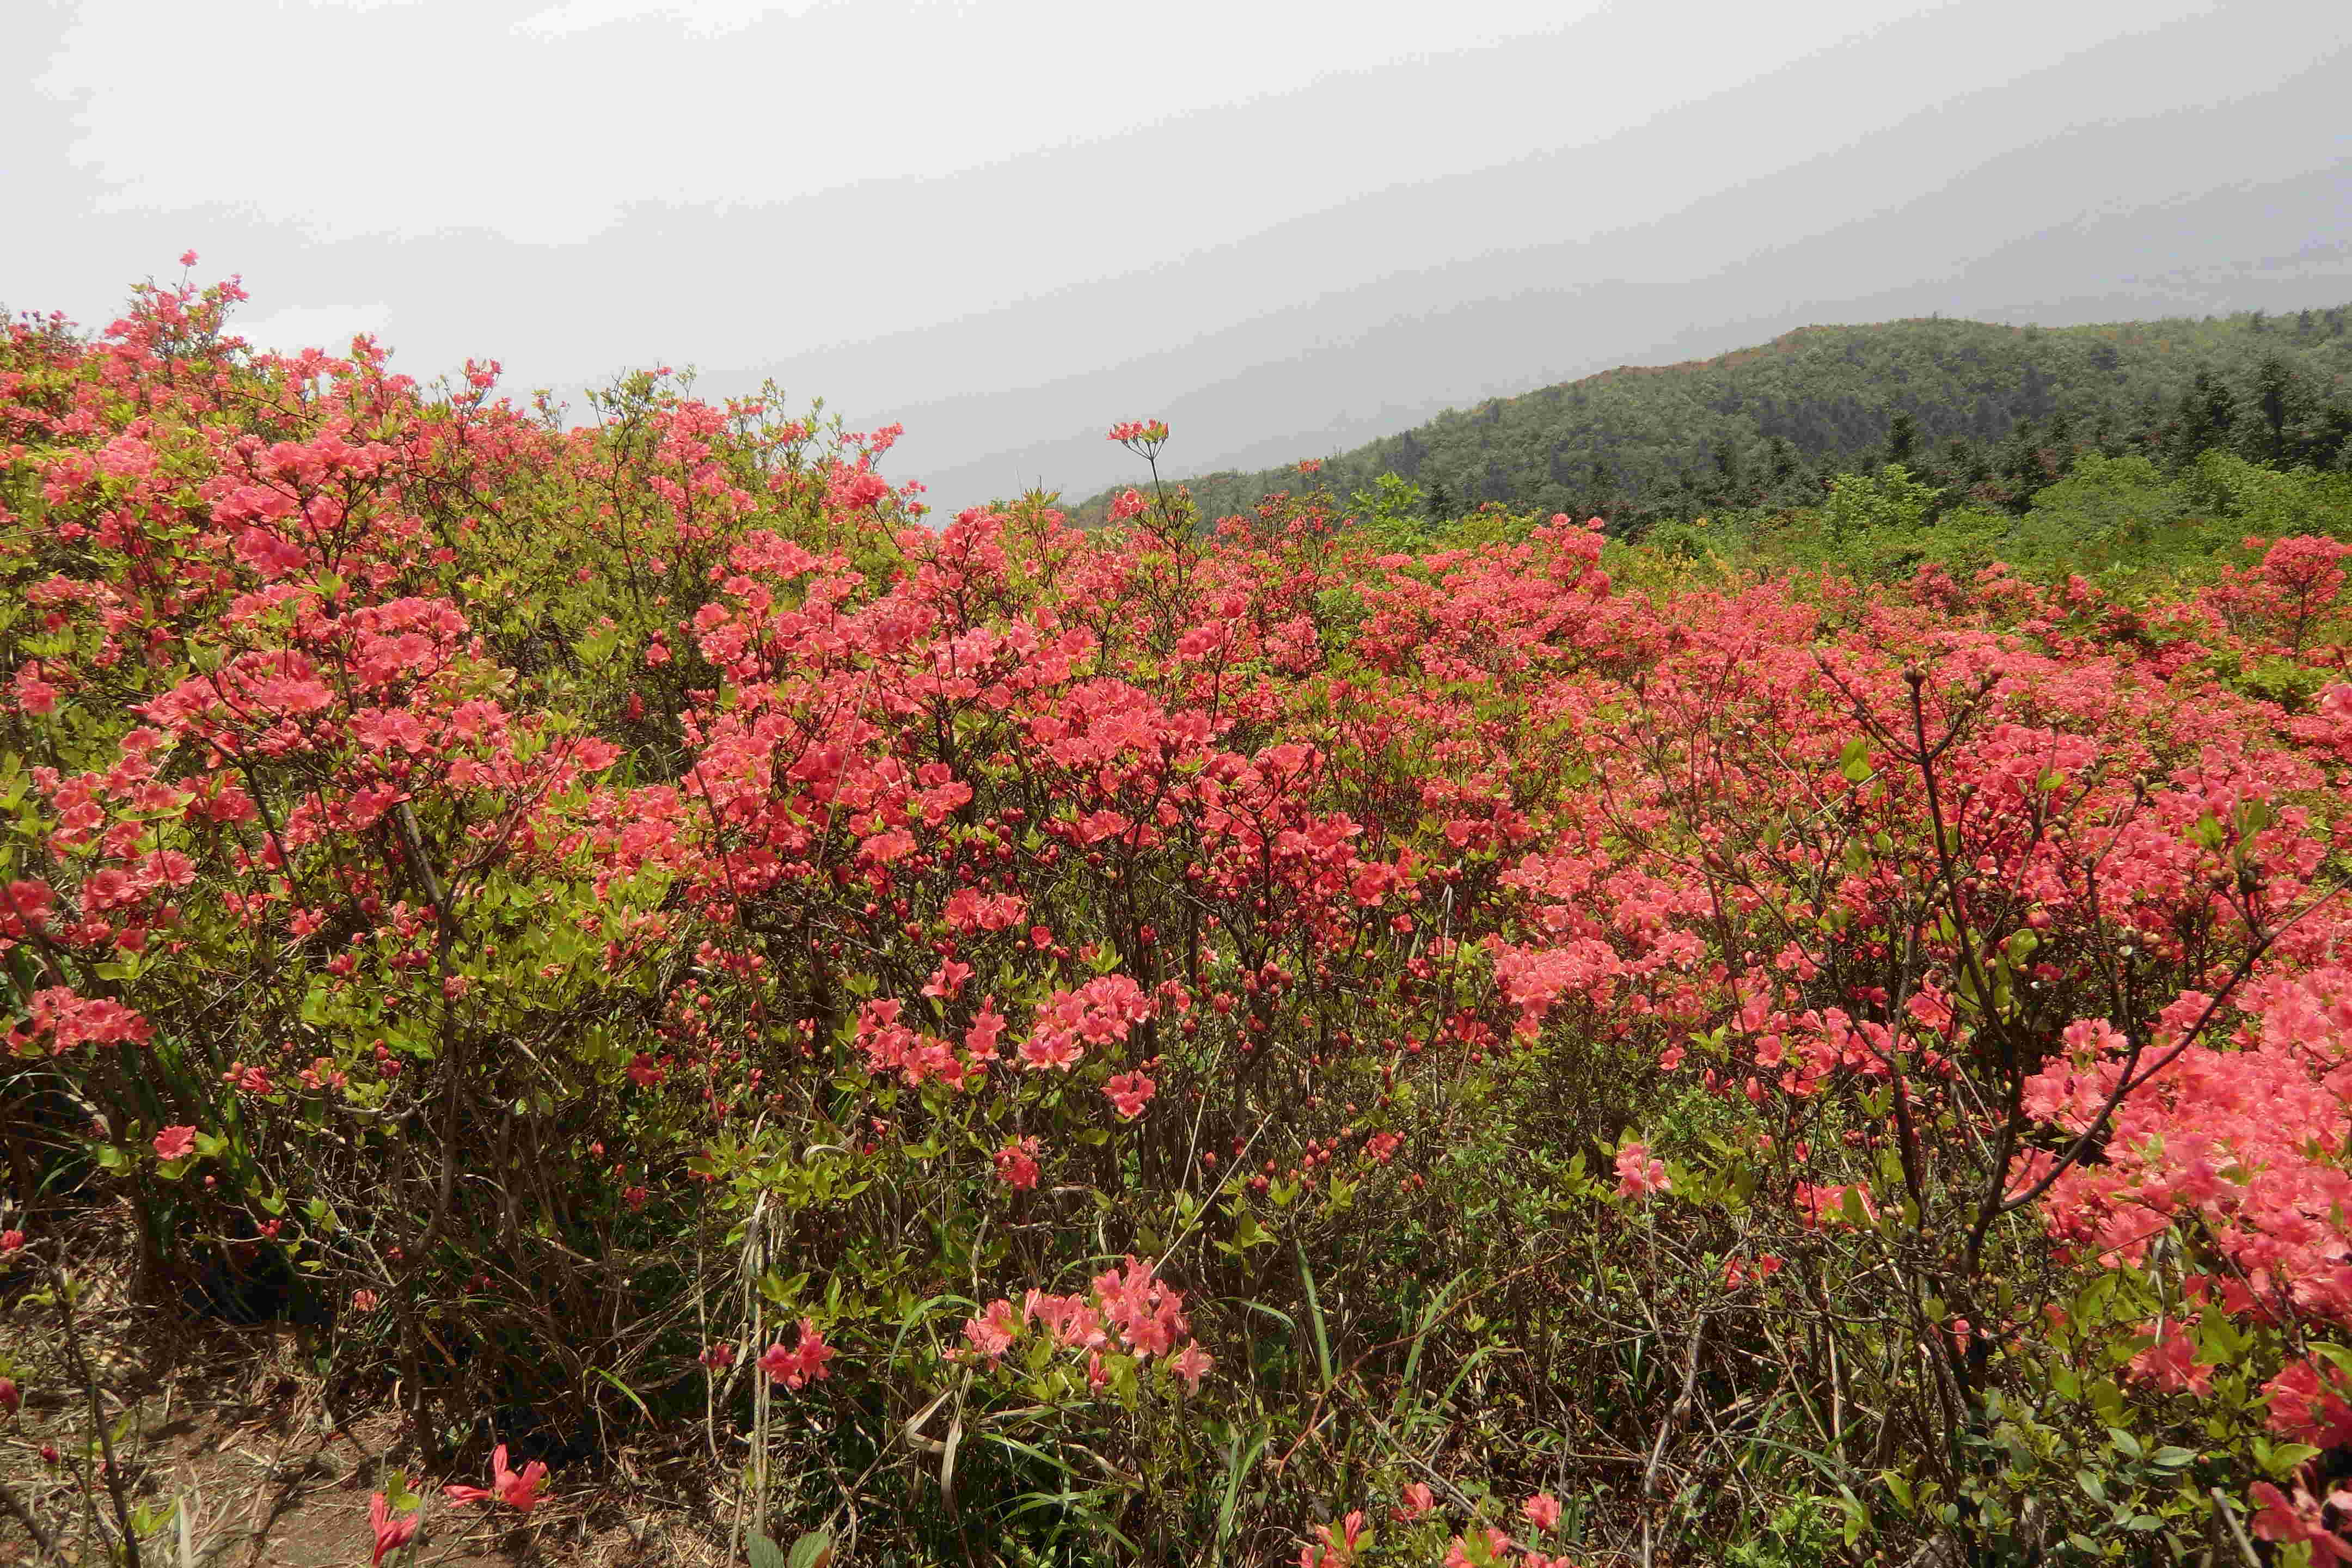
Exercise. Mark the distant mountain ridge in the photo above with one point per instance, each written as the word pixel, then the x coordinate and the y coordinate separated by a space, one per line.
pixel 1758 425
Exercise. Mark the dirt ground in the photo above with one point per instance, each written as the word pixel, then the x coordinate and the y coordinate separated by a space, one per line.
pixel 224 1439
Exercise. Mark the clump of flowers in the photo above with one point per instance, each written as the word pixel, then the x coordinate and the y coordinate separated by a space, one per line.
pixel 1129 1311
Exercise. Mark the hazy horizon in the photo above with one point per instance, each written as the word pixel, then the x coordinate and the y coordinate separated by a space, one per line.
pixel 1283 229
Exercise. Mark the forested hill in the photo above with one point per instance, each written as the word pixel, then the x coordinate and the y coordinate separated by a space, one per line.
pixel 1765 426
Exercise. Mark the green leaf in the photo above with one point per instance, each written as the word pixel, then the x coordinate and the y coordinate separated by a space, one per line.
pixel 766 1553
pixel 1857 1516
pixel 813 1550
pixel 1314 1313
pixel 1855 761
pixel 625 1388
pixel 2283 1458
pixel 2336 1354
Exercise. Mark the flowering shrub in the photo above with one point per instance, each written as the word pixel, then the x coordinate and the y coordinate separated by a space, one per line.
pixel 1198 1031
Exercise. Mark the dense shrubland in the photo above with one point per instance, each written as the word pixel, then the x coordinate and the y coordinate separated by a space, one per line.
pixel 1210 1040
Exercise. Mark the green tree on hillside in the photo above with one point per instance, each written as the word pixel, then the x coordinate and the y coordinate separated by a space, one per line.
pixel 2207 412
pixel 1902 438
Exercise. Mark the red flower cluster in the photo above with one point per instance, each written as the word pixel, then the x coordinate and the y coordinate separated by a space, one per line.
pixel 1129 1311
pixel 803 1363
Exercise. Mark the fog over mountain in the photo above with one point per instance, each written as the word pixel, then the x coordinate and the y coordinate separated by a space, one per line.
pixel 1281 250
pixel 2017 238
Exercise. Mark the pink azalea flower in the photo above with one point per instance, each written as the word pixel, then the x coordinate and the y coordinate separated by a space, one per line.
pixel 1129 1093
pixel 1638 1175
pixel 1191 1364
pixel 391 1534
pixel 519 1489
pixel 1016 1164
pixel 801 1365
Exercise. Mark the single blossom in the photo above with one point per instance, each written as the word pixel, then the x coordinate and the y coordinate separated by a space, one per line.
pixel 1016 1164
pixel 391 1534
pixel 991 1333
pixel 1129 1093
pixel 1339 1544
pixel 1639 1175
pixel 519 1489
pixel 1191 1364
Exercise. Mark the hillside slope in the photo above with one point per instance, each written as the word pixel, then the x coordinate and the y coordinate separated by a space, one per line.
pixel 1760 425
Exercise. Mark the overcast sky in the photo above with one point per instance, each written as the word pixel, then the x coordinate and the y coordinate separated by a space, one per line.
pixel 1283 225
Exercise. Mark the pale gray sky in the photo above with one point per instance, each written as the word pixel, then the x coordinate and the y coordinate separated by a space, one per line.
pixel 1284 225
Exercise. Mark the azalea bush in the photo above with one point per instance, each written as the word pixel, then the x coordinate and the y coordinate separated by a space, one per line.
pixel 1211 1040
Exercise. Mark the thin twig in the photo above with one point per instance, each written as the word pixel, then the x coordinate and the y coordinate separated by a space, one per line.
pixel 1675 1415
pixel 97 1421
pixel 2237 1531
